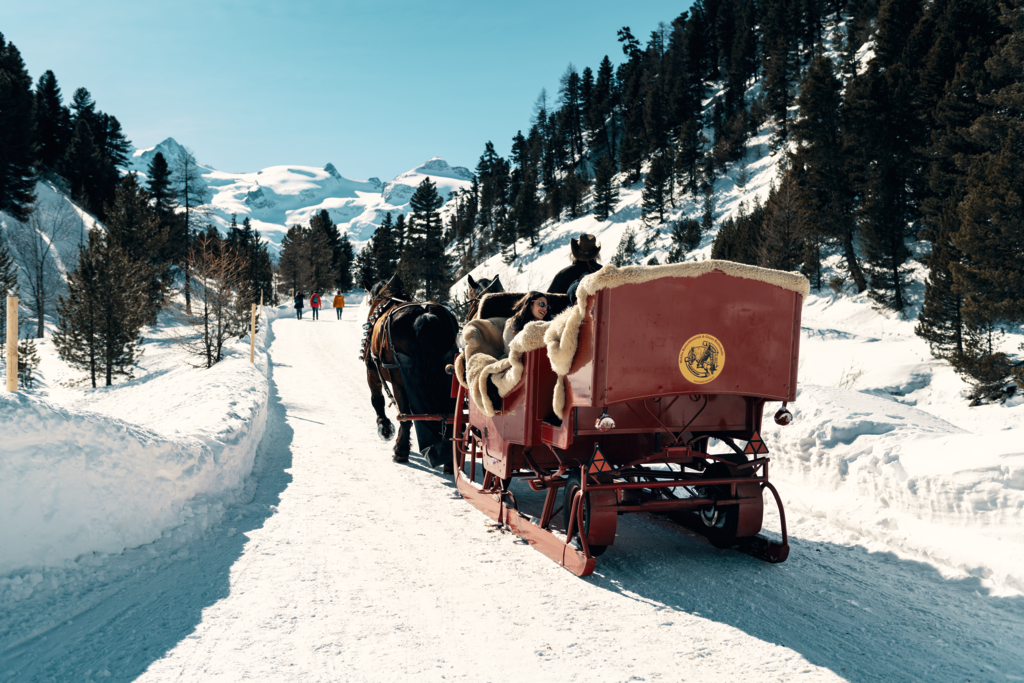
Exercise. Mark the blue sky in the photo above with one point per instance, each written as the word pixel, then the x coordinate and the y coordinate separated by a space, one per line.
pixel 374 87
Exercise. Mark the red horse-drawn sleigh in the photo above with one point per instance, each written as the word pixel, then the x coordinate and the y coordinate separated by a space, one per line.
pixel 615 405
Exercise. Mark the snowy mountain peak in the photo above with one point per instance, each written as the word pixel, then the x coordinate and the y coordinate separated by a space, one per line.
pixel 276 197
pixel 141 159
pixel 438 166
pixel 171 149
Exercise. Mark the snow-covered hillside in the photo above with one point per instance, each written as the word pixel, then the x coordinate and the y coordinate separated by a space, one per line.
pixel 278 197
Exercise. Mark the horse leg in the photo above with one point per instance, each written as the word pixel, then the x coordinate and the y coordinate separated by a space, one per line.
pixel 385 428
pixel 402 443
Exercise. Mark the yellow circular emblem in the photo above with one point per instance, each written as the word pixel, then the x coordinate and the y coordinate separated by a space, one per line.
pixel 702 358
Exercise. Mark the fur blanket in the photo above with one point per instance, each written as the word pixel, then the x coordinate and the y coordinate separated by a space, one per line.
pixel 483 359
pixel 561 335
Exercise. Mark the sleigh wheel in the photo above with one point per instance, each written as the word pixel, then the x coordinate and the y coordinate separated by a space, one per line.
pixel 599 515
pixel 720 521
pixel 724 524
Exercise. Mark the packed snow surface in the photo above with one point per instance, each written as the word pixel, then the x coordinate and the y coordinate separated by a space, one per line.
pixel 336 564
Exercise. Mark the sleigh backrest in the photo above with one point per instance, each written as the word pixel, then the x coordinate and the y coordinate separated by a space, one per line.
pixel 710 334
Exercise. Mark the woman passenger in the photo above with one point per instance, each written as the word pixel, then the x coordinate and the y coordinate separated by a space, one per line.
pixel 533 306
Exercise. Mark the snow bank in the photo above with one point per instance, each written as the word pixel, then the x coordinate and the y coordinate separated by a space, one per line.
pixel 76 481
pixel 903 480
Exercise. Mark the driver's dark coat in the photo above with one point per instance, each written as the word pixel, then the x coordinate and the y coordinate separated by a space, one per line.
pixel 570 274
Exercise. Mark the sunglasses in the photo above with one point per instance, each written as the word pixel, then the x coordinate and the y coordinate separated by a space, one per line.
pixel 542 304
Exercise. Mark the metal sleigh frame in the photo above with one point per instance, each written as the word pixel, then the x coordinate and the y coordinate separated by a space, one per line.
pixel 629 441
pixel 606 500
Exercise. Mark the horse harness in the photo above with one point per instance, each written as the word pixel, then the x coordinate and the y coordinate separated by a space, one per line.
pixel 385 309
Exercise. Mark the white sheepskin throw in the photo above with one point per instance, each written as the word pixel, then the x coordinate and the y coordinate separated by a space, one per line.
pixel 482 360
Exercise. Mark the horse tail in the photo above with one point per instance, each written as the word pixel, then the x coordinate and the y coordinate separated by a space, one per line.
pixel 435 339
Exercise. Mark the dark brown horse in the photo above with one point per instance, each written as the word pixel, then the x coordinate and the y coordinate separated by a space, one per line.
pixel 477 288
pixel 407 348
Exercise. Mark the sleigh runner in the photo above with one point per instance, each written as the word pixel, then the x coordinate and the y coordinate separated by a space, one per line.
pixel 612 407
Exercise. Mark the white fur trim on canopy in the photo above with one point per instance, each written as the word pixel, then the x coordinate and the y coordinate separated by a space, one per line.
pixel 561 335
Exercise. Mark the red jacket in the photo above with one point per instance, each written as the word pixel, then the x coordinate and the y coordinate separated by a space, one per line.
pixel 314 301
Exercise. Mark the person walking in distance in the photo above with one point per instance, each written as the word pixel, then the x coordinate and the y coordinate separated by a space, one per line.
pixel 314 303
pixel 299 303
pixel 339 303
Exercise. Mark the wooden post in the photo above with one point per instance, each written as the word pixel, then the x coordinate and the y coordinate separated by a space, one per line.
pixel 12 343
pixel 252 333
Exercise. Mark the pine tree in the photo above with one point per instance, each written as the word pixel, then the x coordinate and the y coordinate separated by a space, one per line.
pixel 83 108
pixel 941 321
pixel 880 136
pixel 817 165
pixel 527 209
pixel 365 273
pixel 52 122
pixel 685 235
pixel 569 97
pixel 133 226
pixel 689 151
pixel 631 149
pixel 626 254
pixel 324 250
pixel 598 113
pixel 779 68
pixel 116 146
pixel 656 190
pixel 707 217
pixel 246 243
pixel 346 259
pixel 895 24
pixel 99 321
pixel 17 175
pixel 425 236
pixel 606 193
pixel 385 249
pixel 784 225
pixel 160 186
pixel 991 236
pixel 574 188
pixel 488 170
pixel 82 166
pixel 738 238
pixel 294 261
pixel 461 225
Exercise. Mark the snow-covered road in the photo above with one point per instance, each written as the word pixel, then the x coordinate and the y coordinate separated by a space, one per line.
pixel 348 567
